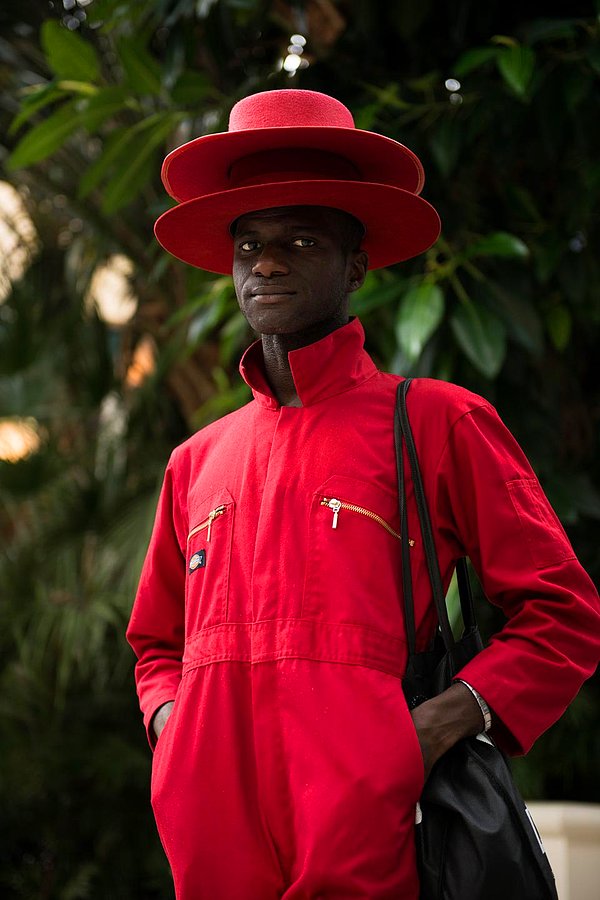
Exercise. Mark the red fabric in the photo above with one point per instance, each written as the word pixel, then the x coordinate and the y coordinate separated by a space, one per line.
pixel 274 120
pixel 398 224
pixel 280 109
pixel 290 766
pixel 293 148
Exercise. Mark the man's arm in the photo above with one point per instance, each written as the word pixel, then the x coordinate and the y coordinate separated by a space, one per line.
pixel 444 720
pixel 156 627
pixel 487 496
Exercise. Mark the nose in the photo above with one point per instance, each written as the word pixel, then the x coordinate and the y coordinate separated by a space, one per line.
pixel 269 264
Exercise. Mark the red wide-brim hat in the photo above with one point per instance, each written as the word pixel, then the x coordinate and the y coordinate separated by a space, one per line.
pixel 293 148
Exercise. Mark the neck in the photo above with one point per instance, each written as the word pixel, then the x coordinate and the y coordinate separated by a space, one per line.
pixel 275 353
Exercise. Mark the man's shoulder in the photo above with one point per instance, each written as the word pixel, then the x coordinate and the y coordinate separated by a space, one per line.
pixel 433 397
pixel 443 414
pixel 445 395
pixel 210 434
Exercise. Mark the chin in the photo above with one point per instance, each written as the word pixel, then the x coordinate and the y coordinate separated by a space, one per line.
pixel 266 325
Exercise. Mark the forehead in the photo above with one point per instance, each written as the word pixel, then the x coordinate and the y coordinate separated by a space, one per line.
pixel 321 217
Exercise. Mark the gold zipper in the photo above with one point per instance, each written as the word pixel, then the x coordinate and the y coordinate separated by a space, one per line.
pixel 213 514
pixel 336 505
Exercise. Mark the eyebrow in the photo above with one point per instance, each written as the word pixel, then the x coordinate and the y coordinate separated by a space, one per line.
pixel 247 232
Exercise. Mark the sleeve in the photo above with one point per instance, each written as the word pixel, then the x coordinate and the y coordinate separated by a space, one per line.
pixel 156 627
pixel 535 665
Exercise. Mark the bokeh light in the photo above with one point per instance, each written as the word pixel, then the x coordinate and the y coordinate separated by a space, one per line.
pixel 111 291
pixel 294 59
pixel 142 364
pixel 19 438
pixel 18 238
pixel 452 84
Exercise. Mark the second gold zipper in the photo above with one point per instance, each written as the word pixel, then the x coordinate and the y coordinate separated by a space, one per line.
pixel 337 505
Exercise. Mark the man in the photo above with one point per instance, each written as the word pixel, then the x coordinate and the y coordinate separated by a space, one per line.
pixel 268 622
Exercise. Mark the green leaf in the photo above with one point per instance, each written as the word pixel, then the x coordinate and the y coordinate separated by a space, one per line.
pixel 68 54
pixel 446 143
pixel 70 86
pixel 421 311
pixel 550 30
pixel 114 16
pixel 198 304
pixel 559 323
pixel 473 59
pixel 547 257
pixel 499 243
pixel 366 116
pixel 37 98
pixel 519 314
pixel 115 153
pixel 481 336
pixel 141 69
pixel 133 163
pixel 522 203
pixel 132 181
pixel 504 40
pixel 203 7
pixel 387 96
pixel 45 138
pixel 106 103
pixel 107 159
pixel 379 289
pixel 424 83
pixel 516 65
pixel 453 606
pixel 576 85
pixel 190 88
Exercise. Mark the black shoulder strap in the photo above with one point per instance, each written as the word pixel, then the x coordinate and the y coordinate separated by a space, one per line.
pixel 403 436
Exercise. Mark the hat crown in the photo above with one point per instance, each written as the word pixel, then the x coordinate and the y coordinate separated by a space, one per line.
pixel 289 109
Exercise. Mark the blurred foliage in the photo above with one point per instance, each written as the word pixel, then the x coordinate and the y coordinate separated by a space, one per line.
pixel 502 105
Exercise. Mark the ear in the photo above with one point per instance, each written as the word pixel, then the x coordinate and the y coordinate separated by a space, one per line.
pixel 357 270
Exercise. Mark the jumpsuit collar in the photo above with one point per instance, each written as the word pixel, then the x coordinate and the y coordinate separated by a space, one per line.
pixel 336 363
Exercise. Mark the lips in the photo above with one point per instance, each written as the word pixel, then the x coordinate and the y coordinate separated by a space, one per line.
pixel 270 291
pixel 271 294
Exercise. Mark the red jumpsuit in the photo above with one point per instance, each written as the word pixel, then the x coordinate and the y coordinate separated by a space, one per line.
pixel 272 614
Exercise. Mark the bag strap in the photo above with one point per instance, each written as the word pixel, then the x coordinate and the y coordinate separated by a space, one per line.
pixel 403 435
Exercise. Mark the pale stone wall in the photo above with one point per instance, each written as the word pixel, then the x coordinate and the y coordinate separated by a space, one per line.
pixel 571 836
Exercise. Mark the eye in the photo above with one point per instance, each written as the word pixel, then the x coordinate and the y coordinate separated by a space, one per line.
pixel 249 246
pixel 303 242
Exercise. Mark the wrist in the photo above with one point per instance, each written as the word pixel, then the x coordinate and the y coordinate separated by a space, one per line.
pixel 159 719
pixel 446 719
pixel 483 707
pixel 457 713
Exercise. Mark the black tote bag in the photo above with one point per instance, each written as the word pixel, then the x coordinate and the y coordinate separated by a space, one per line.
pixel 475 839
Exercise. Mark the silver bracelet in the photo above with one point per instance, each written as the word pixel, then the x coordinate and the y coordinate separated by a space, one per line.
pixel 485 710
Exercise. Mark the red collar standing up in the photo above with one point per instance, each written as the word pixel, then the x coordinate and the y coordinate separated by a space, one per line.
pixel 333 365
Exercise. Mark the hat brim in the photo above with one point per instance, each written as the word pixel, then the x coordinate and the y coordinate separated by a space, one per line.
pixel 202 166
pixel 399 225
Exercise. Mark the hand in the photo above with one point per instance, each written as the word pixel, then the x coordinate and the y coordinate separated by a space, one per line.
pixel 159 720
pixel 444 720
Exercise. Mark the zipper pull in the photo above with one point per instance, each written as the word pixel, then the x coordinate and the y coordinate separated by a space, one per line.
pixel 335 505
pixel 211 517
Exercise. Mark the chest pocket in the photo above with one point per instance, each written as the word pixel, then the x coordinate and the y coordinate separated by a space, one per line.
pixel 208 561
pixel 353 562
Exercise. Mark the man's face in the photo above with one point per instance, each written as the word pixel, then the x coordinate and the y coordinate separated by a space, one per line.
pixel 291 269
